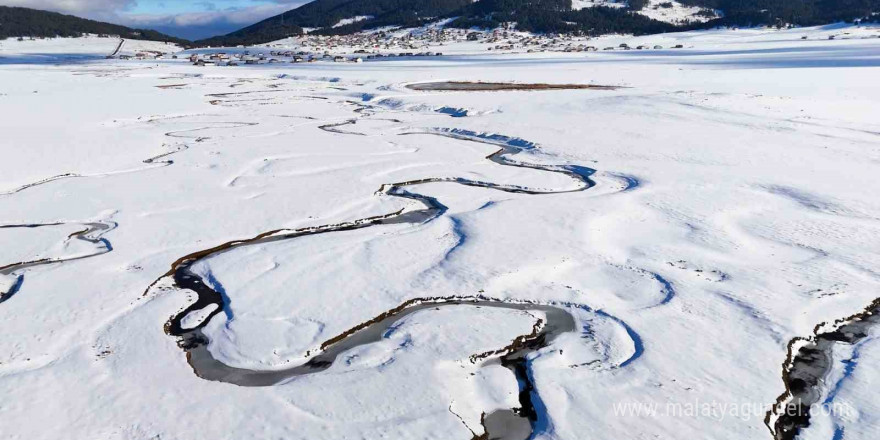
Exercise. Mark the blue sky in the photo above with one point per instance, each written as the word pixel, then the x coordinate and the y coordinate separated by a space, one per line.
pixel 191 19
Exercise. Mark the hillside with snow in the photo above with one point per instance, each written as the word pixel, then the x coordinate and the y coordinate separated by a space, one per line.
pixel 590 17
pixel 668 11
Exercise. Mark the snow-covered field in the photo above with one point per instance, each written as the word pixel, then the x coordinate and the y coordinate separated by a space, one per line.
pixel 669 237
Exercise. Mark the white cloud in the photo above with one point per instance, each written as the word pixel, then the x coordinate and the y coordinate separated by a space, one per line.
pixel 73 6
pixel 242 16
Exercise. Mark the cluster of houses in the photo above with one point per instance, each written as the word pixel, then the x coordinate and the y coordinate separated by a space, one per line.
pixel 417 42
pixel 382 43
pixel 625 46
pixel 568 47
pixel 512 41
pixel 145 55
pixel 247 58
pixel 224 59
pixel 274 57
pixel 421 42
pixel 362 46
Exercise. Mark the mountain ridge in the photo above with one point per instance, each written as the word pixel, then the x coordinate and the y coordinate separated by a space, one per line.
pixel 591 17
pixel 588 17
pixel 35 23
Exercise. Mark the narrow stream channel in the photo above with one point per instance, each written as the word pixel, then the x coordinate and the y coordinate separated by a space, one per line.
pixel 514 424
pixel 92 234
pixel 809 362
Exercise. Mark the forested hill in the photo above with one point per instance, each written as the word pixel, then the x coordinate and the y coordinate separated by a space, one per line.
pixel 25 22
pixel 348 16
pixel 324 14
pixel 796 12
pixel 603 16
pixel 557 16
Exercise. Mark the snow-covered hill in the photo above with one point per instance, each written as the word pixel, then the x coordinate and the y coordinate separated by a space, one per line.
pixel 669 11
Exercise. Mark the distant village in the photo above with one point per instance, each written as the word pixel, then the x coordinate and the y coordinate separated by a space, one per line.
pixel 421 42
pixel 357 48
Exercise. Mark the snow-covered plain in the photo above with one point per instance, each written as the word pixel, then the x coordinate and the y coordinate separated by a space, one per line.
pixel 734 208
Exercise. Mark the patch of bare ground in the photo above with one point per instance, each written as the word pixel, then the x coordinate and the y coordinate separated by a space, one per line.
pixel 468 86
